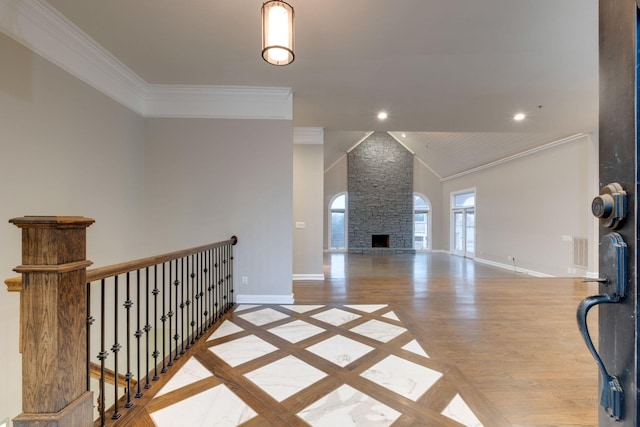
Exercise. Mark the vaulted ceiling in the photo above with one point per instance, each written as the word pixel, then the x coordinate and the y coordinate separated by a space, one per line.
pixel 450 73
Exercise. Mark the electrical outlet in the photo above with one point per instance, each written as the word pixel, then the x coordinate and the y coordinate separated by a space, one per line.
pixel 245 281
pixel 511 258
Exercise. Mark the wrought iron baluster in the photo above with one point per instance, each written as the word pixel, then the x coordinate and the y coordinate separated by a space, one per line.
pixel 211 288
pixel 147 327
pixel 189 281
pixel 231 295
pixel 193 297
pixel 138 333
pixel 103 353
pixel 164 318
pixel 225 275
pixel 90 321
pixel 170 315
pixel 155 353
pixel 115 349
pixel 212 285
pixel 218 284
pixel 176 336
pixel 195 272
pixel 201 301
pixel 182 305
pixel 229 283
pixel 205 290
pixel 129 376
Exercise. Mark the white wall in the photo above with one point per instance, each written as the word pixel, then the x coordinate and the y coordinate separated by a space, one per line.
pixel 308 174
pixel 66 150
pixel 525 206
pixel 208 179
pixel 428 184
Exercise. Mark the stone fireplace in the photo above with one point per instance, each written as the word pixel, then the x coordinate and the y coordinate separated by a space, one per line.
pixel 380 202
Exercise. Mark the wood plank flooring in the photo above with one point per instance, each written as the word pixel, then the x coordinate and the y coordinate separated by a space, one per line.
pixel 514 337
pixel 507 343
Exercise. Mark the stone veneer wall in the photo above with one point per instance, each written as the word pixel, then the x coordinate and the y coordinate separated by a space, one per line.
pixel 380 201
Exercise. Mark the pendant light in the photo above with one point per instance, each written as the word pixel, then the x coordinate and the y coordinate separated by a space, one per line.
pixel 277 32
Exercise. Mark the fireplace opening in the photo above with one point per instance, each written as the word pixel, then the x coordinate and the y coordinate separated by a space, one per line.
pixel 379 240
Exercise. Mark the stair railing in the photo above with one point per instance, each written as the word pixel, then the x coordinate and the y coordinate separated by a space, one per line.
pixel 119 327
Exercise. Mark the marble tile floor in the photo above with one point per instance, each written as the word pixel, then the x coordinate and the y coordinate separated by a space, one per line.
pixel 318 365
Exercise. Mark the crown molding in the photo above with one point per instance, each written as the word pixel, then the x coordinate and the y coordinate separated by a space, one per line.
pixel 308 136
pixel 516 156
pixel 41 28
pixel 220 102
pixel 48 33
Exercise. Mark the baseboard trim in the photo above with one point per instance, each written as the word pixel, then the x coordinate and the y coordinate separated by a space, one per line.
pixel 512 268
pixel 308 277
pixel 264 299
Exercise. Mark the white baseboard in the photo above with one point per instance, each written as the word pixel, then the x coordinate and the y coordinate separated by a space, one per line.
pixel 510 267
pixel 264 299
pixel 592 274
pixel 308 277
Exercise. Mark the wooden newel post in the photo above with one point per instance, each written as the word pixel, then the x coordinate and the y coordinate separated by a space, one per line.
pixel 53 322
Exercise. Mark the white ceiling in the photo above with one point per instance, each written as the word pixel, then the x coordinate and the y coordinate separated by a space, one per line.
pixel 450 73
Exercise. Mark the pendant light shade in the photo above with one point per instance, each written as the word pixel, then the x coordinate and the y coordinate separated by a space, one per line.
pixel 277 33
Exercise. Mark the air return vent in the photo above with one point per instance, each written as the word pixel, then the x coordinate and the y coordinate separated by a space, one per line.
pixel 580 252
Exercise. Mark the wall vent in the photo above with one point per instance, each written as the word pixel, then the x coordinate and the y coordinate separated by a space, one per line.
pixel 580 252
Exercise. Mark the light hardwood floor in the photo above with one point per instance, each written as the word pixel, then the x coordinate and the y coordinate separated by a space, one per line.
pixel 513 336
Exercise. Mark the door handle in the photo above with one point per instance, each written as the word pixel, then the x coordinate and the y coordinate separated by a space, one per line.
pixel 611 398
pixel 614 262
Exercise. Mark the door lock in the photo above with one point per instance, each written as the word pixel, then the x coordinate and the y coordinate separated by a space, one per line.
pixel 610 206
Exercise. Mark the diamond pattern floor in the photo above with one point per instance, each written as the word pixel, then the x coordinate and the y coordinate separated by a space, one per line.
pixel 318 365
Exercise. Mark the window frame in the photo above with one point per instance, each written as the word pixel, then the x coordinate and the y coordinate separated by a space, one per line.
pixel 463 209
pixel 421 210
pixel 330 222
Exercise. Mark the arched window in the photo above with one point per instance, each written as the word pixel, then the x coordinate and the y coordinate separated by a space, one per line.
pixel 338 222
pixel 421 222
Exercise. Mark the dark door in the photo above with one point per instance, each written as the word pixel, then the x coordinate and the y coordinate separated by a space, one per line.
pixel 617 302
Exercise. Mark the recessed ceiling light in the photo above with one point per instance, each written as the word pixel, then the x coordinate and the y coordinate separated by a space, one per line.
pixel 518 117
pixel 404 135
pixel 382 115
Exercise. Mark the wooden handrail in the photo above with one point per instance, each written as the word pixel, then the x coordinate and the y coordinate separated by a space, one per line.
pixel 14 284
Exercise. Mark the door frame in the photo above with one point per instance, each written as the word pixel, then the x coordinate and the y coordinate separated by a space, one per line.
pixel 452 225
pixel 619 151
